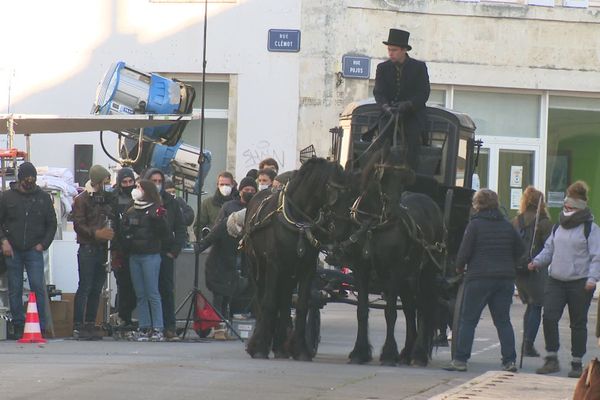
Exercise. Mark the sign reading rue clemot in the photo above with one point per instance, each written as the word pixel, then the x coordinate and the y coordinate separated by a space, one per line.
pixel 286 40
pixel 356 67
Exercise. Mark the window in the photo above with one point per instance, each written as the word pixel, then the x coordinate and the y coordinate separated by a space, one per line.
pixel 501 114
pixel 216 114
pixel 437 98
pixel 576 3
pixel 547 3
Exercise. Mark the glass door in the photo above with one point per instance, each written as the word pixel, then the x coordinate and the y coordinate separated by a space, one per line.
pixel 515 173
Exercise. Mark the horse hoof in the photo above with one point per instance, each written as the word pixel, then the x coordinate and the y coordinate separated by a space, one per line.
pixel 418 363
pixel 356 361
pixel 281 355
pixel 302 357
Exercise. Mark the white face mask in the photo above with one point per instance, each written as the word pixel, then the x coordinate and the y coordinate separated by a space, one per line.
pixel 225 190
pixel 137 194
pixel 263 186
pixel 568 213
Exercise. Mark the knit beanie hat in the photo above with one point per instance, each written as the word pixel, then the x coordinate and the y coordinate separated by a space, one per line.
pixel 26 170
pixel 98 173
pixel 168 184
pixel 577 195
pixel 247 181
pixel 123 173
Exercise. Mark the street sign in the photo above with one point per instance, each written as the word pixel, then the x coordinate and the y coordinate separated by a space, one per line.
pixel 285 40
pixel 356 67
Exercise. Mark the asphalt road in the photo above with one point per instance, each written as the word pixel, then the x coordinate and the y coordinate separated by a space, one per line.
pixel 221 370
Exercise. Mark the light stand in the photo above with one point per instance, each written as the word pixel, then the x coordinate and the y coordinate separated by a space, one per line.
pixel 196 290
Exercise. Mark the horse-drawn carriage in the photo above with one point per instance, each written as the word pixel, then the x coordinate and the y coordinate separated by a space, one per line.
pixel 379 216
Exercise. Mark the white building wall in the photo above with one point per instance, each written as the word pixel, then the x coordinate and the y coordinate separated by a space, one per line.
pixel 56 52
pixel 507 45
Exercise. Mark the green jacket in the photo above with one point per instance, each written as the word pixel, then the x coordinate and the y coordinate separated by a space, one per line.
pixel 207 215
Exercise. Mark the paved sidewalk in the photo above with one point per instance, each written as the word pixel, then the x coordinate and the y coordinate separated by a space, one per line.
pixel 496 385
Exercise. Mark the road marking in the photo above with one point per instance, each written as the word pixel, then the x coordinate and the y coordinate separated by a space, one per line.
pixel 490 347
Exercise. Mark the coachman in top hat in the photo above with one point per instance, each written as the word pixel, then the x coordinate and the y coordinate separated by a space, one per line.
pixel 402 84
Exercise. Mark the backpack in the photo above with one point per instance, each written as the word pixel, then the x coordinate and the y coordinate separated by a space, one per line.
pixel 587 229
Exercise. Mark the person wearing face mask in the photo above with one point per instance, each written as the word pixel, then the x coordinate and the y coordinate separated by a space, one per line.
pixel 266 177
pixel 171 246
pixel 28 225
pixel 572 255
pixel 222 276
pixel 93 218
pixel 126 299
pixel 145 226
pixel 210 207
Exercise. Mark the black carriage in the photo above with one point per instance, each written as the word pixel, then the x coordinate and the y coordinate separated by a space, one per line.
pixel 446 165
pixel 445 174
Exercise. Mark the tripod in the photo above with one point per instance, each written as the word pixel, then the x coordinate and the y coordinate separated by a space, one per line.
pixel 195 292
pixel 192 297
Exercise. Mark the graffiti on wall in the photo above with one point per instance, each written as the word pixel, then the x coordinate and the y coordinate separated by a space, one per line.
pixel 261 150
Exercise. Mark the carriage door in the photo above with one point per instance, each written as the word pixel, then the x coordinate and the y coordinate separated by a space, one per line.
pixel 508 170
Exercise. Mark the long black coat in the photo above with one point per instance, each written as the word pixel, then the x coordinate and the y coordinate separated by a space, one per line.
pixel 414 87
pixel 221 264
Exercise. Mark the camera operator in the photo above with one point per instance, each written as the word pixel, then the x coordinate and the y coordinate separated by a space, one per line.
pixel 93 217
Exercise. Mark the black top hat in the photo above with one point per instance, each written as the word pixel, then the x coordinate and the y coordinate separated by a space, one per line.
pixel 398 37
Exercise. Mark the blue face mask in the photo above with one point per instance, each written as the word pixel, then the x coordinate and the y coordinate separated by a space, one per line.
pixel 108 188
pixel 159 187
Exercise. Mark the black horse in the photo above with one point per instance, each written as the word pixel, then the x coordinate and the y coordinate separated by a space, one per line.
pixel 284 232
pixel 399 239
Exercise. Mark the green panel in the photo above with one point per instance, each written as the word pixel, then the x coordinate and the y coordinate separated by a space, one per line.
pixel 584 163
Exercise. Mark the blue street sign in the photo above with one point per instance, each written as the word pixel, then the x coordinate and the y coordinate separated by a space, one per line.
pixel 356 67
pixel 286 40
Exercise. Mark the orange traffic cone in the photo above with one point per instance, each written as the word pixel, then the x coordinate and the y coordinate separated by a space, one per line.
pixel 32 332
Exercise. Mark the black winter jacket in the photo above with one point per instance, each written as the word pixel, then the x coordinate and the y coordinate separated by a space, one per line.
pixel 490 247
pixel 144 230
pixel 27 219
pixel 121 203
pixel 221 264
pixel 175 240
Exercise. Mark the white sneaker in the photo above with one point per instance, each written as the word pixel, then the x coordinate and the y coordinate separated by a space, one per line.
pixel 140 336
pixel 157 336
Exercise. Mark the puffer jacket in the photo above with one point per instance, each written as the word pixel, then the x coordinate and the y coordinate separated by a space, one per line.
pixel 490 247
pixel 91 211
pixel 27 219
pixel 144 229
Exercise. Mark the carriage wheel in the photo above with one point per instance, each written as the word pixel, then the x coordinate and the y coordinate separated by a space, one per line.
pixel 313 330
pixel 456 317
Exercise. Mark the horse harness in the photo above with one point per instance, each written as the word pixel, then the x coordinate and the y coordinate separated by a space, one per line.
pixel 384 220
pixel 285 206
